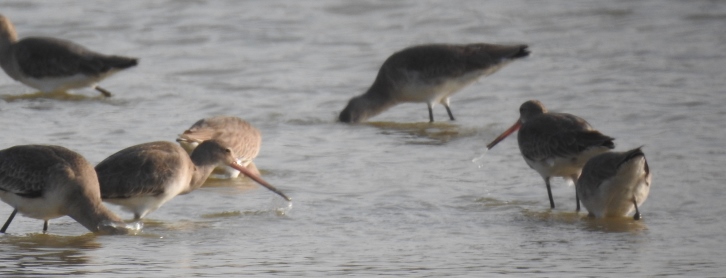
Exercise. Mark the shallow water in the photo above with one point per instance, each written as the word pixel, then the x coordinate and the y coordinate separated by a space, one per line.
pixel 396 196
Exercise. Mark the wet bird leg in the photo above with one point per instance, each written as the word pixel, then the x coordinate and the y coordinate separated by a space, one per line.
pixel 7 223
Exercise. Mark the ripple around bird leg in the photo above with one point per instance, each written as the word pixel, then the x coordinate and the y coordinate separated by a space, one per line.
pixel 424 133
pixel 614 225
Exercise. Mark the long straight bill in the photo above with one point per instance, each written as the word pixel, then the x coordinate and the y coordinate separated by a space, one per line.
pixel 259 180
pixel 506 133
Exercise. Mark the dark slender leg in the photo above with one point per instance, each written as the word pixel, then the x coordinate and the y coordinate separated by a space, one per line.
pixel 103 91
pixel 549 193
pixel 137 217
pixel 577 199
pixel 45 226
pixel 7 223
pixel 431 114
pixel 577 195
pixel 448 110
pixel 637 212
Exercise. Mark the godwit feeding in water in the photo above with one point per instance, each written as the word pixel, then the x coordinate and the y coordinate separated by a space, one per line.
pixel 143 177
pixel 237 134
pixel 55 65
pixel 613 184
pixel 47 182
pixel 555 144
pixel 431 74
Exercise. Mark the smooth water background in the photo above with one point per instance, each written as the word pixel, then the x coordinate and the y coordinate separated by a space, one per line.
pixel 397 196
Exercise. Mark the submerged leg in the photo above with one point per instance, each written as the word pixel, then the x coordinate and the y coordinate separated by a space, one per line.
pixel 637 212
pixel 45 226
pixel 445 102
pixel 10 219
pixel 431 113
pixel 577 195
pixel 103 91
pixel 549 192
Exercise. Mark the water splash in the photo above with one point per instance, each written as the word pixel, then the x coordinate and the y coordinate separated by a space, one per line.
pixel 479 160
pixel 131 228
pixel 283 210
pixel 135 226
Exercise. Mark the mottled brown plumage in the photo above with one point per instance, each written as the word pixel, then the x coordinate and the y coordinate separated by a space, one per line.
pixel 46 182
pixel 555 144
pixel 143 177
pixel 239 135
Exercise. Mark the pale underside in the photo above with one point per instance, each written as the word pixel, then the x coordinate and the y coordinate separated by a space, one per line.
pixel 613 197
pixel 564 166
pixel 140 206
pixel 48 206
pixel 416 89
pixel 62 84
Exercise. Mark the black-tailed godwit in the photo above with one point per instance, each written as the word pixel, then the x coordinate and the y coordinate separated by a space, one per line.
pixel 431 74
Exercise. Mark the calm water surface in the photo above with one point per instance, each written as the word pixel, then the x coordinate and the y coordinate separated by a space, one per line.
pixel 397 196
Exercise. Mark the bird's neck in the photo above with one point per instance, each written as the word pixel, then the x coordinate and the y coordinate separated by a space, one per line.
pixel 376 100
pixel 203 167
pixel 7 38
pixel 92 214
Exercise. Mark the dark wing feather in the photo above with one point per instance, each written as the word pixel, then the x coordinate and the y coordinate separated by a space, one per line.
pixel 40 57
pixel 437 62
pixel 432 62
pixel 138 170
pixel 24 170
pixel 559 135
pixel 482 55
pixel 598 169
pixel 606 166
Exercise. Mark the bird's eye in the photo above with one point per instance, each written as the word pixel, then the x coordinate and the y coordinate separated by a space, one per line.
pixel 228 150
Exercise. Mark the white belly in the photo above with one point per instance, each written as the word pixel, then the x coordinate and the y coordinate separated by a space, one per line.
pixel 415 89
pixel 564 166
pixel 614 196
pixel 61 84
pixel 145 204
pixel 46 207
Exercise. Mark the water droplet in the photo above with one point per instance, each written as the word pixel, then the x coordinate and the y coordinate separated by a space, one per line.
pixel 281 211
pixel 479 160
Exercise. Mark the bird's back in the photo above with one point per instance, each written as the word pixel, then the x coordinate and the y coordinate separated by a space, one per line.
pixel 141 170
pixel 43 57
pixel 448 61
pixel 559 135
pixel 239 135
pixel 29 170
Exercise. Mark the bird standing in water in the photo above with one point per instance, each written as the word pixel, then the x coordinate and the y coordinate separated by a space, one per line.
pixel 430 74
pixel 47 182
pixel 143 177
pixel 555 144
pixel 55 65
pixel 613 184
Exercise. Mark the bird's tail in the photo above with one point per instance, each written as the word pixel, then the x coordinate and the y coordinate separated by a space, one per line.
pixel 120 62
